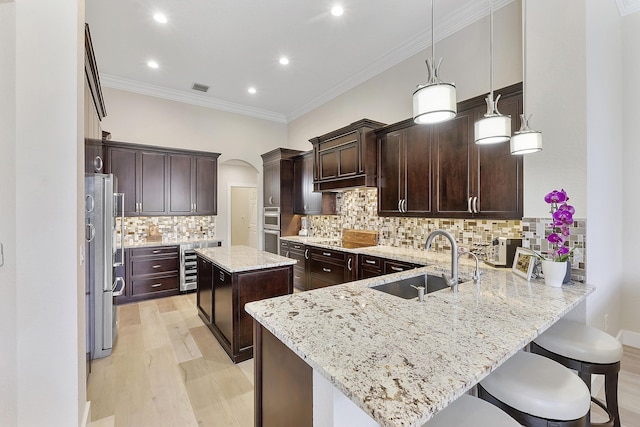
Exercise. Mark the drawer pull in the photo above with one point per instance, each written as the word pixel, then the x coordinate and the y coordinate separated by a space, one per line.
pixel 296 246
pixel 297 277
pixel 326 270
pixel 369 261
pixel 157 266
pixel 326 253
pixel 157 285
pixel 157 251
pixel 397 268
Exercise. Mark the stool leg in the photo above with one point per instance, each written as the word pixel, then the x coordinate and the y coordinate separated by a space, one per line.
pixel 611 393
pixel 586 377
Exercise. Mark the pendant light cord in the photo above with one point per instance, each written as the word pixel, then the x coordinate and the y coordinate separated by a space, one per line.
pixel 433 39
pixel 524 57
pixel 491 51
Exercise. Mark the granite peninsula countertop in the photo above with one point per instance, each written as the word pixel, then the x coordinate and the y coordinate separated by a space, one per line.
pixel 402 361
pixel 243 258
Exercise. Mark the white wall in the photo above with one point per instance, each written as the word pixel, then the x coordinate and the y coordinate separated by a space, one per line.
pixel 631 154
pixel 8 290
pixel 556 96
pixel 48 220
pixel 148 120
pixel 235 173
pixel 604 158
pixel 387 96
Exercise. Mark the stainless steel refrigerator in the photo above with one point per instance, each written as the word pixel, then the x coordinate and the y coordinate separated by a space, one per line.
pixel 104 261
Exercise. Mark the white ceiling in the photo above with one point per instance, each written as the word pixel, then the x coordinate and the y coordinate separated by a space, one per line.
pixel 230 45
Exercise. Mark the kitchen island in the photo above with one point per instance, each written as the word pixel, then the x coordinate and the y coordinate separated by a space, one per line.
pixel 397 362
pixel 228 278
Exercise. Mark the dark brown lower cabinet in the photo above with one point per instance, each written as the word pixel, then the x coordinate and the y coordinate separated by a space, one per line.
pixel 227 320
pixel 283 383
pixel 330 267
pixel 151 272
pixel 204 299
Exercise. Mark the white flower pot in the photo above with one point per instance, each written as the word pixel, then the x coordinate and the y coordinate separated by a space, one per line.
pixel 554 272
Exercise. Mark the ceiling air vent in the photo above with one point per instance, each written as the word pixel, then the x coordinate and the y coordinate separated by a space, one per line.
pixel 200 87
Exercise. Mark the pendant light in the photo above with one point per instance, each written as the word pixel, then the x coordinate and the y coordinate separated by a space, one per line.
pixel 494 127
pixel 436 101
pixel 526 140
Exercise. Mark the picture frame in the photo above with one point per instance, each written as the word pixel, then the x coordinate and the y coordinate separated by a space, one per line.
pixel 523 263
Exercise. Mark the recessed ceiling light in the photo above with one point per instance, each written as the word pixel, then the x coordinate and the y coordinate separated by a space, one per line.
pixel 160 17
pixel 252 90
pixel 337 11
pixel 284 60
pixel 152 64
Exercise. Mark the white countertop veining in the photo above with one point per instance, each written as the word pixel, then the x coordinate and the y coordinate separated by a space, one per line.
pixel 243 258
pixel 401 361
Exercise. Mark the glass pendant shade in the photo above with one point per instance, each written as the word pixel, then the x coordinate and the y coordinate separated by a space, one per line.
pixel 433 103
pixel 526 140
pixel 493 129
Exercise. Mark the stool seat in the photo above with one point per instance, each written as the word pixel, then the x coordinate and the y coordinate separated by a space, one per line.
pixel 578 341
pixel 540 387
pixel 470 411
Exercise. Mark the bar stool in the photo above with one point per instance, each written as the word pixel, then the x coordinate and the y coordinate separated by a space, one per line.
pixel 470 411
pixel 589 351
pixel 537 391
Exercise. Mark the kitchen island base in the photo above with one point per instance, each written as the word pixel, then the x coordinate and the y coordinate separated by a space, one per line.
pixel 223 294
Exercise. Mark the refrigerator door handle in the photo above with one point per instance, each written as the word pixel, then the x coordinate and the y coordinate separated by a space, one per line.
pixel 117 292
pixel 120 207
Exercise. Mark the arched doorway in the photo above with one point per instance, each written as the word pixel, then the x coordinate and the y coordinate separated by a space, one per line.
pixel 237 222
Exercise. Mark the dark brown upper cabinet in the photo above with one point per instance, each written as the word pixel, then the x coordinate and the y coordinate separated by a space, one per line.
pixel 305 200
pixel 439 171
pixel 158 181
pixel 404 172
pixel 346 158
pixel 278 178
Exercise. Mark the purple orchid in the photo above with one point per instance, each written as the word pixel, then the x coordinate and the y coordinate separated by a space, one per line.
pixel 562 218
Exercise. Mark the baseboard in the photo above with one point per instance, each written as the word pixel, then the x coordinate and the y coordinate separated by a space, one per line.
pixel 86 417
pixel 629 338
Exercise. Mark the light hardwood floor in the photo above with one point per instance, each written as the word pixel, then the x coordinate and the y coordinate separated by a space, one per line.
pixel 167 370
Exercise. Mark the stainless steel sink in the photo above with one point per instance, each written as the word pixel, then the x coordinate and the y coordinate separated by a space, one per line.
pixel 404 288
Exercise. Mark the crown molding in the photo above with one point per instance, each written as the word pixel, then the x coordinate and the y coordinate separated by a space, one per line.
pixel 625 7
pixel 188 98
pixel 447 26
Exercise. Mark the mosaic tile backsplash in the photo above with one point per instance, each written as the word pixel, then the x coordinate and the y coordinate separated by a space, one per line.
pixel 357 209
pixel 170 227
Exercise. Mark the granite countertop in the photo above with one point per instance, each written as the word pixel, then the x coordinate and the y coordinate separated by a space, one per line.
pixel 171 242
pixel 243 258
pixel 412 255
pixel 402 361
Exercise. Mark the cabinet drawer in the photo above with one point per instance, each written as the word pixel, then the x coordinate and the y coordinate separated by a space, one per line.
pixel 155 251
pixel 328 254
pixel 370 261
pixel 327 271
pixel 154 265
pixel 146 286
pixel 391 266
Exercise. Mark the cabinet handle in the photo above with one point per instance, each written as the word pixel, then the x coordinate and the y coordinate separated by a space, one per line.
pixel 90 232
pixel 157 251
pixel 222 276
pixel 475 204
pixel 270 200
pixel 98 163
pixel 469 205
pixel 306 254
pixel 157 285
pixel 369 261
pixel 349 264
pixel 296 246
pixel 404 205
pixel 326 270
pixel 296 277
pixel 399 208
pixel 326 254
pixel 157 266
pixel 287 254
pixel 1 255
pixel 397 268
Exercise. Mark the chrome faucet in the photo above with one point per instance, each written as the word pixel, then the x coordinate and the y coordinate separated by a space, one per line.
pixel 453 280
pixel 476 273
